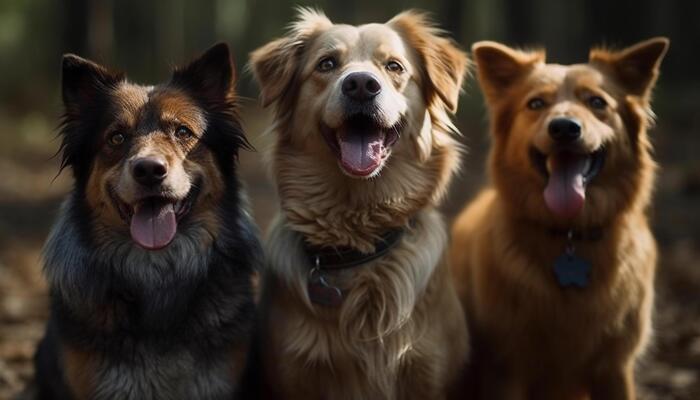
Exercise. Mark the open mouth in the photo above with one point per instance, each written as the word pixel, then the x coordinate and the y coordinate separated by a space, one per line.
pixel 567 173
pixel 361 144
pixel 153 220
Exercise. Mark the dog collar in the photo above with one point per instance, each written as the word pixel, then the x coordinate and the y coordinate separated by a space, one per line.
pixel 324 259
pixel 335 258
pixel 588 235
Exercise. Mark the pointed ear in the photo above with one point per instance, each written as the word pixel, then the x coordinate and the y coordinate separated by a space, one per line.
pixel 499 66
pixel 635 67
pixel 210 76
pixel 84 81
pixel 275 64
pixel 445 64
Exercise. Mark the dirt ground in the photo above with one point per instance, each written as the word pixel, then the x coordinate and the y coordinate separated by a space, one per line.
pixel 30 197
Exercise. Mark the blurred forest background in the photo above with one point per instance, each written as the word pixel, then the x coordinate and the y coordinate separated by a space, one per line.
pixel 146 38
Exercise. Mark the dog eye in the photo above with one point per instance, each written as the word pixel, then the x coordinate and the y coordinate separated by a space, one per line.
pixel 326 64
pixel 597 102
pixel 536 103
pixel 183 132
pixel 394 66
pixel 116 139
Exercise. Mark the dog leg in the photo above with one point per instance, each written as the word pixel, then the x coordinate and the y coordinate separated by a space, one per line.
pixel 614 384
pixel 419 379
pixel 495 386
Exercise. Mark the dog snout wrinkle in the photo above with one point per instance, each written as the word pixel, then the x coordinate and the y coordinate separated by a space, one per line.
pixel 361 86
pixel 149 171
pixel 564 130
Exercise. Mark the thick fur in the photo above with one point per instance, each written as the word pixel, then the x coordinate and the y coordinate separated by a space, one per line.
pixel 131 323
pixel 532 338
pixel 399 333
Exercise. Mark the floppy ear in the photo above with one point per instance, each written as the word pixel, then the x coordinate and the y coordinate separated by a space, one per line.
pixel 211 76
pixel 273 67
pixel 635 67
pixel 275 64
pixel 83 82
pixel 499 66
pixel 445 64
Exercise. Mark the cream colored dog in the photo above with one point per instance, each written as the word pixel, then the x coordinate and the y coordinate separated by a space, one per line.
pixel 357 299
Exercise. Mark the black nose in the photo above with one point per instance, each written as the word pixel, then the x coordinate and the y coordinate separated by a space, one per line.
pixel 361 86
pixel 149 171
pixel 564 130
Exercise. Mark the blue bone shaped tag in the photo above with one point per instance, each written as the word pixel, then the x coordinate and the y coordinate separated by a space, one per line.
pixel 322 293
pixel 572 271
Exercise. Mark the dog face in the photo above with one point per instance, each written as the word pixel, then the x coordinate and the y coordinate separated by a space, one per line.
pixel 360 93
pixel 151 158
pixel 569 136
pixel 350 92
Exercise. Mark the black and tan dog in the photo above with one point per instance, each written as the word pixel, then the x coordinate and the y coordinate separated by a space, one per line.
pixel 357 298
pixel 150 262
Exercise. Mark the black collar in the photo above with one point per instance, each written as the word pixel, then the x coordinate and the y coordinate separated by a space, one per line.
pixel 336 258
pixel 592 234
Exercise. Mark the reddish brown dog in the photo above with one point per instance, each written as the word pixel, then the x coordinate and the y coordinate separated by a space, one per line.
pixel 555 261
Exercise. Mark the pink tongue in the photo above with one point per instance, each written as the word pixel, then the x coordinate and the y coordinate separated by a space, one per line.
pixel 361 150
pixel 153 225
pixel 565 192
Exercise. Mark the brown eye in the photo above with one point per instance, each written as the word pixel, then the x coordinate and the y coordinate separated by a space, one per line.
pixel 394 66
pixel 183 132
pixel 536 103
pixel 326 64
pixel 116 139
pixel 597 102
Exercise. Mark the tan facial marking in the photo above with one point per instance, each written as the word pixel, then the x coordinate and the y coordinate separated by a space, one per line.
pixel 149 119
